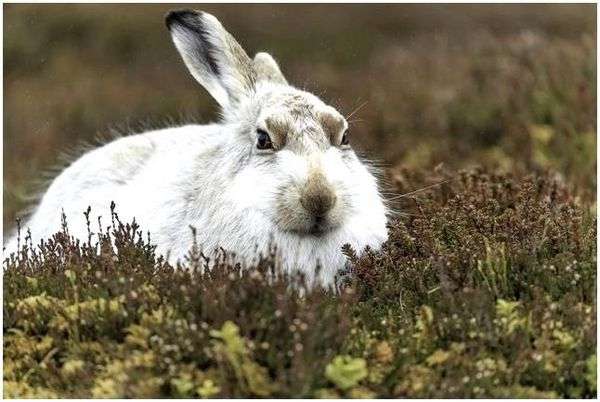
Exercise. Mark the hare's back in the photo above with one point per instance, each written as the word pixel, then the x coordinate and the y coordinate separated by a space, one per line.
pixel 134 171
pixel 121 161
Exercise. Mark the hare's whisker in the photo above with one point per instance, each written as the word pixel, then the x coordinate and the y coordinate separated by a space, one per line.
pixel 356 109
pixel 422 189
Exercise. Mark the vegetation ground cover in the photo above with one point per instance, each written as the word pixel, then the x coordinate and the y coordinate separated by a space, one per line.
pixel 486 287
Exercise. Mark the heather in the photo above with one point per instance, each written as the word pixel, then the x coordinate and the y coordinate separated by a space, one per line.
pixel 485 288
pixel 483 122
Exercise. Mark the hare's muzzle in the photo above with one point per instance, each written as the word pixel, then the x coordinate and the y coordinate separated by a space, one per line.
pixel 318 198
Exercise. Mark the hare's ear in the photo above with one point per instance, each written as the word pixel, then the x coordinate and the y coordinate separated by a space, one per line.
pixel 267 69
pixel 212 55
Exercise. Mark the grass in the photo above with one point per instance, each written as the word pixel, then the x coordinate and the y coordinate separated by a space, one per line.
pixel 485 288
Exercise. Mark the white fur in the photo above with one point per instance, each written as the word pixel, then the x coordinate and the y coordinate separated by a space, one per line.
pixel 213 178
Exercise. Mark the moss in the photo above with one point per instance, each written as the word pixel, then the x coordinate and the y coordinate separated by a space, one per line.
pixel 346 372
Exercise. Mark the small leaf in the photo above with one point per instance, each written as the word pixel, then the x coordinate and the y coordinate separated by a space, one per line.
pixel 346 372
pixel 591 372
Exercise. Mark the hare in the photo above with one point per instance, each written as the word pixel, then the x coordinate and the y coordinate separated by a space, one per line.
pixel 278 169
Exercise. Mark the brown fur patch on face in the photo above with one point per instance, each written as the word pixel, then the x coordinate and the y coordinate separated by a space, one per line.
pixel 333 125
pixel 278 129
pixel 302 122
pixel 298 107
pixel 309 207
pixel 290 215
pixel 317 196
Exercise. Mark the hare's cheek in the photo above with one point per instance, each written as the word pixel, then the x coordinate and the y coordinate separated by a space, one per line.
pixel 343 210
pixel 340 173
pixel 338 166
pixel 250 189
pixel 289 215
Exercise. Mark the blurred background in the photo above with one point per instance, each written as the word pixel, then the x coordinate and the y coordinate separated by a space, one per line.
pixel 508 87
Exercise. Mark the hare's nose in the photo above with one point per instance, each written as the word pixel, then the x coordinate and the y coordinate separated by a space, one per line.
pixel 317 196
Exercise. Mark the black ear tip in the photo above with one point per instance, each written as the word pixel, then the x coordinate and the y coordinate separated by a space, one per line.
pixel 183 17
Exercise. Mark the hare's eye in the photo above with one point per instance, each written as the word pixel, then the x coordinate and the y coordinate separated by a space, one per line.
pixel 263 141
pixel 345 140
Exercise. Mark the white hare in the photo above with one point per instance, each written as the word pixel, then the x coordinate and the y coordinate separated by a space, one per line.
pixel 278 169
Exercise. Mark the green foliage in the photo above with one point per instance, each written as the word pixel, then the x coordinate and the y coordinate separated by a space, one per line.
pixel 251 377
pixel 591 375
pixel 346 372
pixel 494 270
pixel 486 288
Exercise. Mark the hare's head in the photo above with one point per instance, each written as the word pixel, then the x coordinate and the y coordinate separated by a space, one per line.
pixel 297 166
